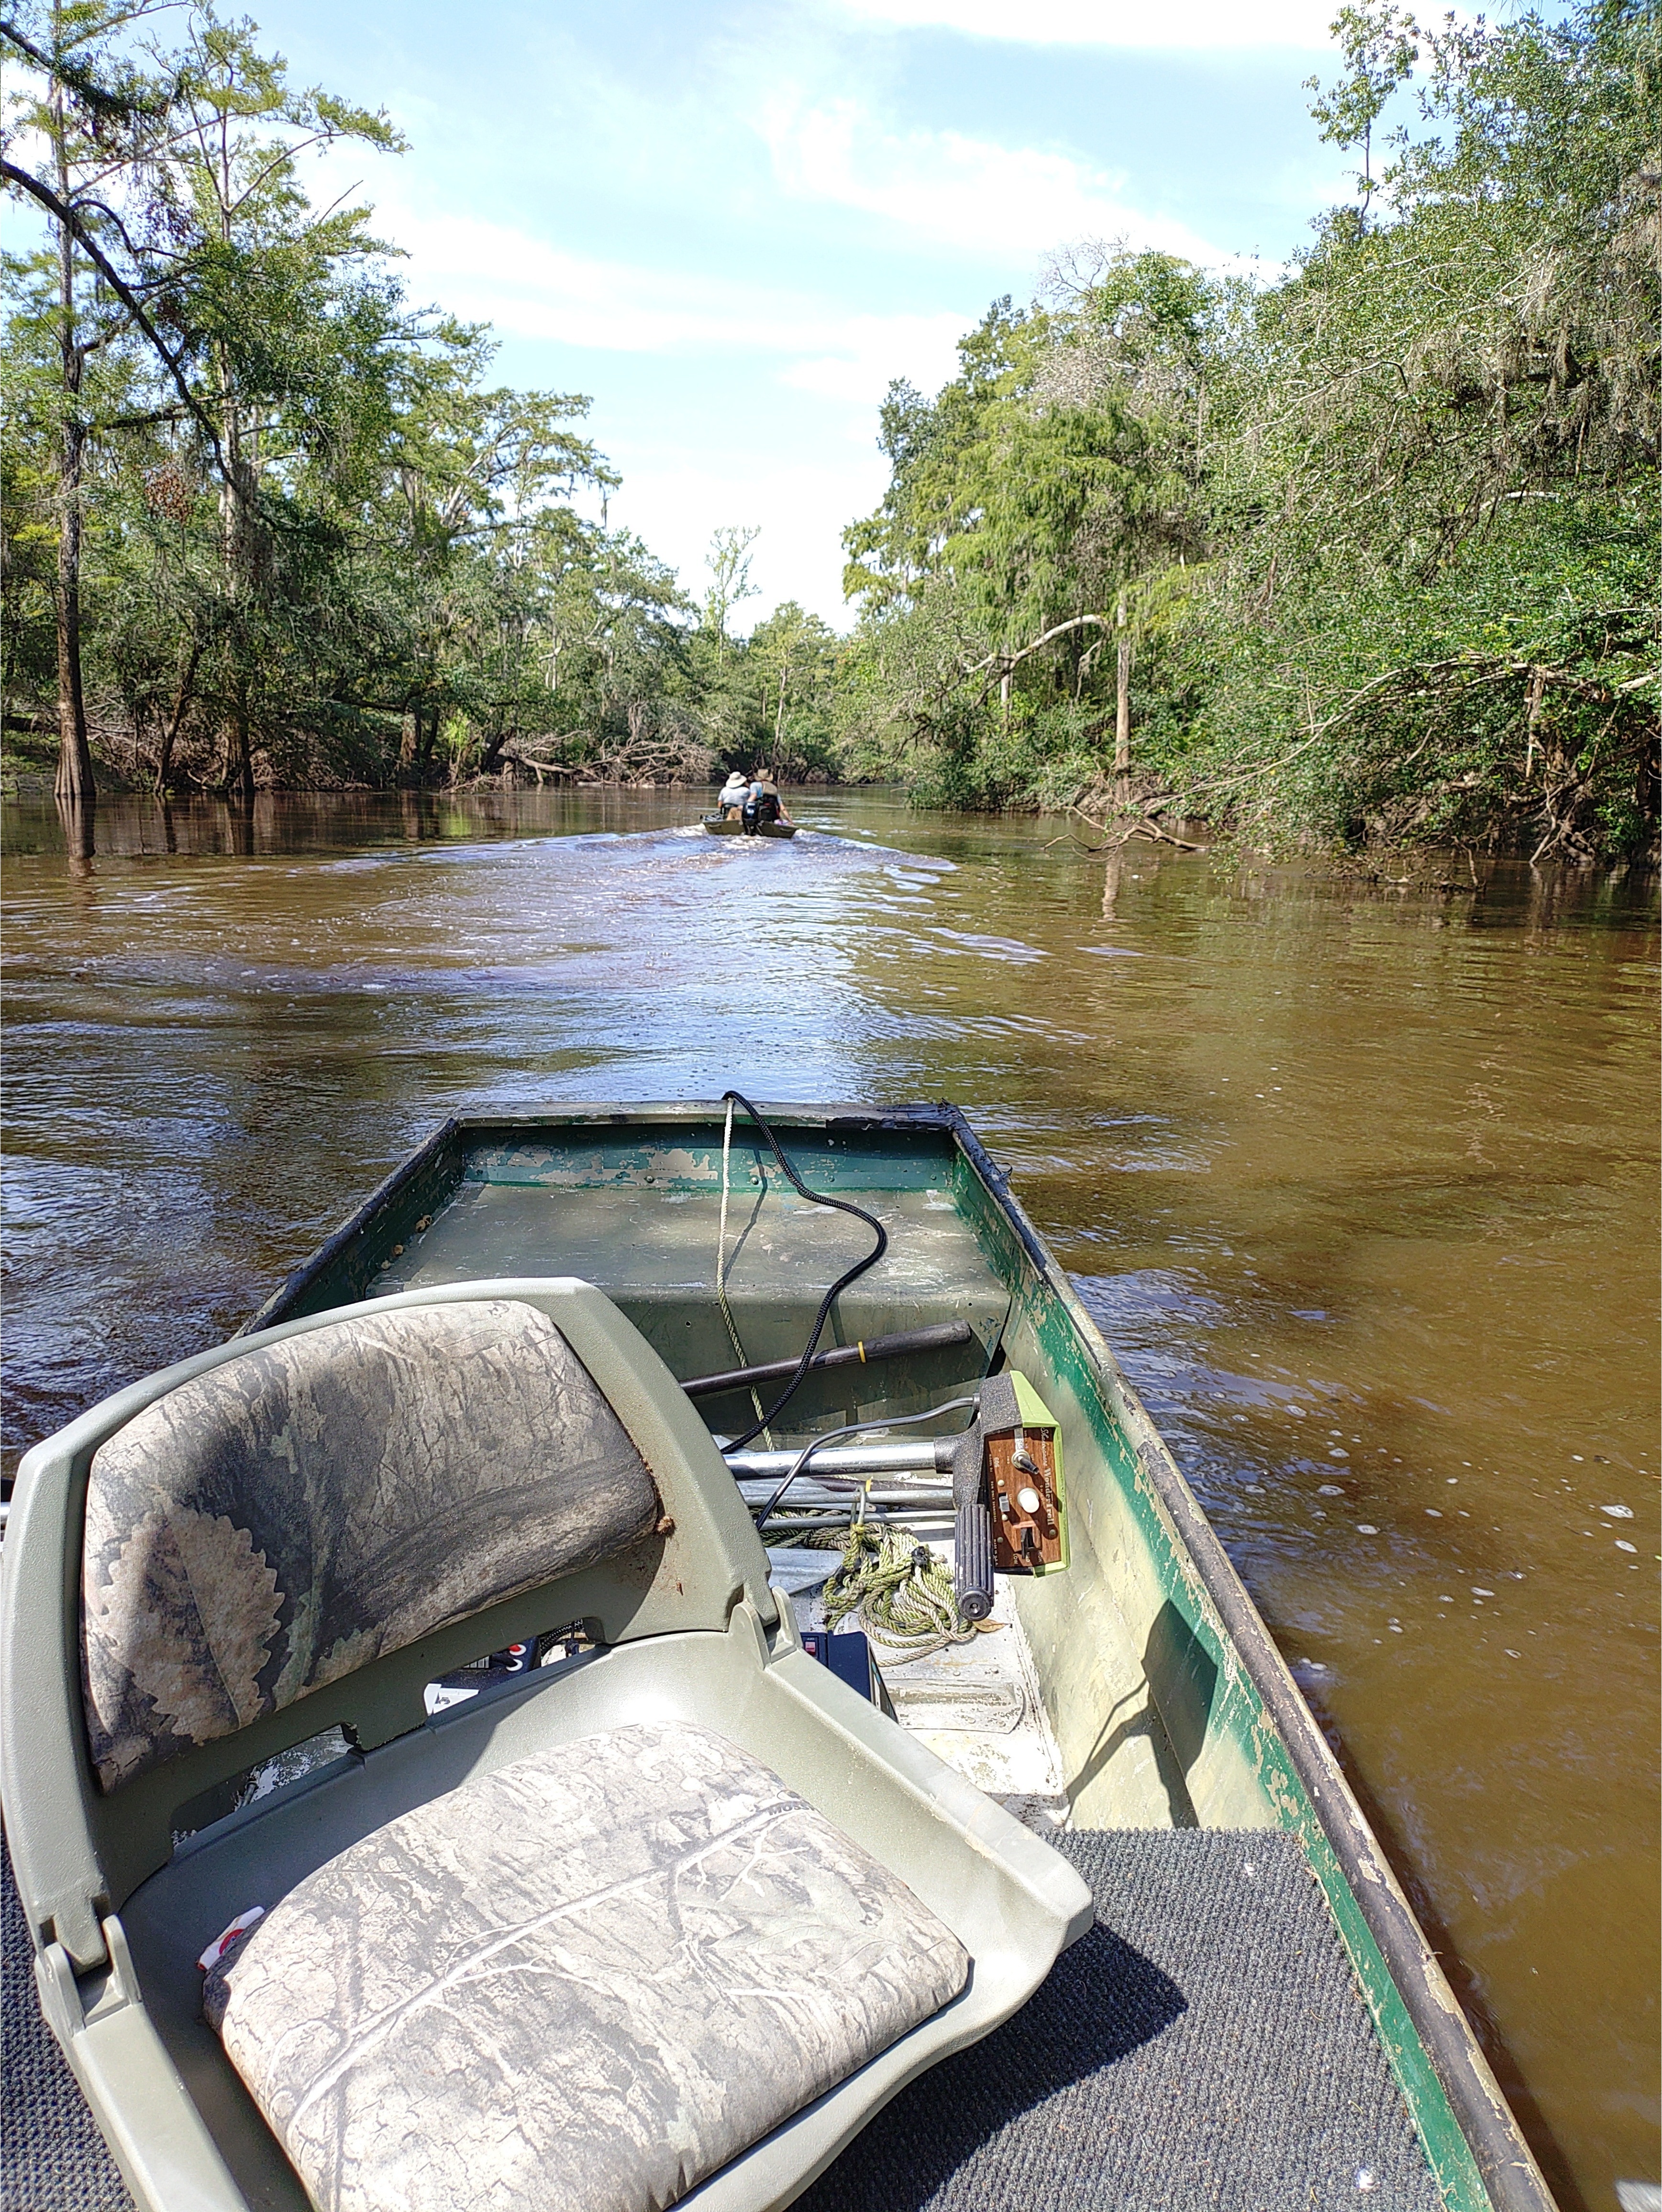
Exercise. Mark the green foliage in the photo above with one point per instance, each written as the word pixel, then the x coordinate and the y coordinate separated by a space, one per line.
pixel 1379 46
pixel 1042 514
pixel 728 562
pixel 1440 489
pixel 790 667
pixel 314 541
pixel 1364 553
pixel 1377 539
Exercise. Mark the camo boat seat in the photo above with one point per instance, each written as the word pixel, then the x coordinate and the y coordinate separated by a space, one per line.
pixel 560 1947
pixel 274 1524
pixel 581 1983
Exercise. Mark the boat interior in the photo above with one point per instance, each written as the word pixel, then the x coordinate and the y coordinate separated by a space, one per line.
pixel 1101 1706
pixel 1089 1705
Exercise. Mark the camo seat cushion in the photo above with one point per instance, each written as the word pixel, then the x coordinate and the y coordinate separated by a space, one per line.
pixel 305 1508
pixel 581 1984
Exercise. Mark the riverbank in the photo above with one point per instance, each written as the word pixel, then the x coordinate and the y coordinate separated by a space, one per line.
pixel 1096 818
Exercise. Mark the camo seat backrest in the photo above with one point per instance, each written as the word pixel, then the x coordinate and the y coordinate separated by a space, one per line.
pixel 308 1507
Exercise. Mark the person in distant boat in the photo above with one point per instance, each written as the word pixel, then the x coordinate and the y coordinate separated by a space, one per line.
pixel 762 803
pixel 734 791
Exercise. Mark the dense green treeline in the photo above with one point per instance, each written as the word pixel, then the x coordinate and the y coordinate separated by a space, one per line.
pixel 263 519
pixel 1366 552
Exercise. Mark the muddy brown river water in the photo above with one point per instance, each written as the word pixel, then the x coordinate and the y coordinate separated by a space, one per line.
pixel 1359 1178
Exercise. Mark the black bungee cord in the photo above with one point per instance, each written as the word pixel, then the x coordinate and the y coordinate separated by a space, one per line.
pixel 814 1198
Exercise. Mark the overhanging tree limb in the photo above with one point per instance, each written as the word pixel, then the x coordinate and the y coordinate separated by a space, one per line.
pixel 1003 661
pixel 80 80
pixel 67 215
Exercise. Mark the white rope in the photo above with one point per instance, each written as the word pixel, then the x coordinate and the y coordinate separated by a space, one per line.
pixel 722 1275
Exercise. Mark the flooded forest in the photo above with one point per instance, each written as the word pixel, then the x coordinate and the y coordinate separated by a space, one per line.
pixel 1360 554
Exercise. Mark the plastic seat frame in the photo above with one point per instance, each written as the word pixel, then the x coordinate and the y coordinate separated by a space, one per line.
pixel 123 1890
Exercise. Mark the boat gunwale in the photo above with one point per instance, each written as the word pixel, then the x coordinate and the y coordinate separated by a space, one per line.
pixel 1504 2165
pixel 282 1303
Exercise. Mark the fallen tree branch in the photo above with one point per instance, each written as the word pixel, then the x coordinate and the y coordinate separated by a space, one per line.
pixel 1478 671
pixel 1144 828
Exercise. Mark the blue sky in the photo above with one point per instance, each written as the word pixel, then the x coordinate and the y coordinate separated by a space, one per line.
pixel 733 222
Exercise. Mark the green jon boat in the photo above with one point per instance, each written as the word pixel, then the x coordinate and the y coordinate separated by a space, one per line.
pixel 719 826
pixel 860 1779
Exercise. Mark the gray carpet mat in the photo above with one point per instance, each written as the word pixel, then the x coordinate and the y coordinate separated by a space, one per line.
pixel 52 2158
pixel 1204 2049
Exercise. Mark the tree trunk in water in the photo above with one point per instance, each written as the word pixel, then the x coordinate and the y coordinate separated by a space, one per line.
pixel 239 767
pixel 1122 714
pixel 164 758
pixel 75 780
pixel 1111 884
pixel 78 816
pixel 243 564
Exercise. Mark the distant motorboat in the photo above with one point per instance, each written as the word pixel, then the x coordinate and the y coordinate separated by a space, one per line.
pixel 719 826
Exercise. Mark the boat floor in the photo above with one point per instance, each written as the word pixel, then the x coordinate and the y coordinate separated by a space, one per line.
pixel 522 1210
pixel 1204 2047
pixel 977 1706
pixel 53 2158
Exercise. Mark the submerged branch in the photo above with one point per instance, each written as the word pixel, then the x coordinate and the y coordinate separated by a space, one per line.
pixel 1146 827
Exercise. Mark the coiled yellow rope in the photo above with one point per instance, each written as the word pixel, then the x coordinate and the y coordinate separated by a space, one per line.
pixel 901 1593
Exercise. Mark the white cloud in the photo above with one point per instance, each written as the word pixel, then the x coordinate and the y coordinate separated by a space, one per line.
pixel 673 493
pixel 967 193
pixel 491 272
pixel 674 501
pixel 1177 26
pixel 772 422
pixel 487 273
pixel 872 350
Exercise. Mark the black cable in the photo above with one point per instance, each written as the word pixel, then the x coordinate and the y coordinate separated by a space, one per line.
pixel 893 1421
pixel 814 1198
